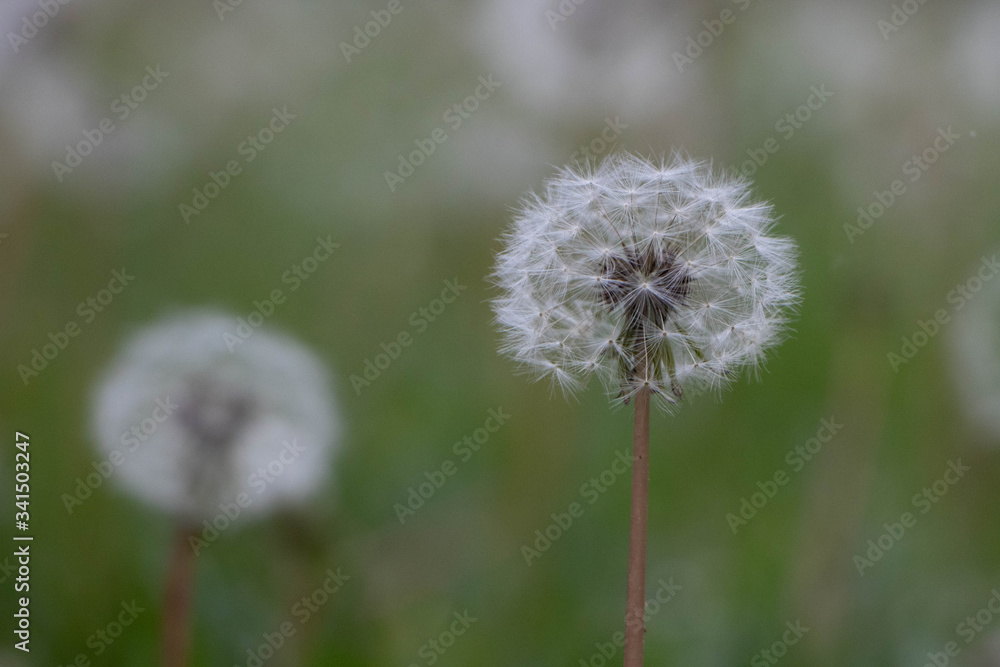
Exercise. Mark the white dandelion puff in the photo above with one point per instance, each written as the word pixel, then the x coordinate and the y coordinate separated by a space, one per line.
pixel 650 275
pixel 195 425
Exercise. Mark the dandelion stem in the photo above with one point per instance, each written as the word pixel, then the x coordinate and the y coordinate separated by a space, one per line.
pixel 177 600
pixel 635 628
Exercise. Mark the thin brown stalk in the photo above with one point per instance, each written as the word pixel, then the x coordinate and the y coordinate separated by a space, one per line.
pixel 635 628
pixel 177 601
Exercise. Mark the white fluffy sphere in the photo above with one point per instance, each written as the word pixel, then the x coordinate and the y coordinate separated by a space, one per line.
pixel 196 424
pixel 662 276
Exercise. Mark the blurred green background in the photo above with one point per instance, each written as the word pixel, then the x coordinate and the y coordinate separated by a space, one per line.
pixel 568 72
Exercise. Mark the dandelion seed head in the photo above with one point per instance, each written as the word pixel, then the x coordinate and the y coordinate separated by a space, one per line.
pixel 196 416
pixel 659 275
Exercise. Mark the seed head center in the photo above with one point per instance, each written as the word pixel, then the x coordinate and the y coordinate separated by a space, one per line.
pixel 645 284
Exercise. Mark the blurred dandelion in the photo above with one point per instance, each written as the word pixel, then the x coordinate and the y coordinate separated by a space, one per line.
pixel 975 353
pixel 657 277
pixel 247 423
pixel 581 59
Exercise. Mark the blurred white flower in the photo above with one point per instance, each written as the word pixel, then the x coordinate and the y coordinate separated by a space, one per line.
pixel 975 353
pixel 976 55
pixel 587 57
pixel 660 276
pixel 224 78
pixel 197 425
pixel 837 42
pixel 890 96
pixel 45 108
